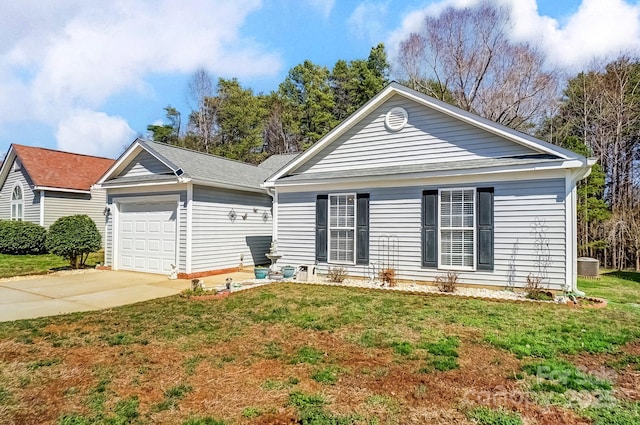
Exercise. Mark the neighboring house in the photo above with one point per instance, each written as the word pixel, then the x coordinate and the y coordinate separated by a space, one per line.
pixel 173 206
pixel 41 185
pixel 411 183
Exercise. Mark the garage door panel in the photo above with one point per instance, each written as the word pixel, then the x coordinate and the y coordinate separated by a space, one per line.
pixel 147 237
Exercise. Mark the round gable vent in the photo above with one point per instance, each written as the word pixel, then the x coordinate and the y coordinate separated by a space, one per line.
pixel 396 119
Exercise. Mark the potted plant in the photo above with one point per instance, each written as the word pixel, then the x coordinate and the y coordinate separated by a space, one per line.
pixel 288 272
pixel 260 272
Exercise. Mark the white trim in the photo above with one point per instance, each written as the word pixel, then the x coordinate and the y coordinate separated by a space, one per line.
pixel 151 199
pixel 59 189
pixel 189 235
pixel 13 202
pixel 422 179
pixel 274 212
pixel 474 228
pixel 354 228
pixel 497 170
pixel 229 186
pixel 42 207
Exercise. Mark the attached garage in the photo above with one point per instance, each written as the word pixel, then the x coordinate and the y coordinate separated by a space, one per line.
pixel 147 236
pixel 172 206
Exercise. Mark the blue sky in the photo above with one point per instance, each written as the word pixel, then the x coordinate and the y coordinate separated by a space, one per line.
pixel 88 76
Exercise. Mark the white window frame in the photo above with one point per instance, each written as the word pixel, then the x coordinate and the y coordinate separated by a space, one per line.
pixel 474 228
pixel 331 228
pixel 15 203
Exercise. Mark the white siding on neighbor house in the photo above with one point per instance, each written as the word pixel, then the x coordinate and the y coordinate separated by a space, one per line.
pixel 119 194
pixel 61 204
pixel 218 242
pixel 518 206
pixel 31 206
pixel 144 164
pixel 429 137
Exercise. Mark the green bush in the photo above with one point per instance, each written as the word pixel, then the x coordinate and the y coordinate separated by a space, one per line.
pixel 21 237
pixel 73 238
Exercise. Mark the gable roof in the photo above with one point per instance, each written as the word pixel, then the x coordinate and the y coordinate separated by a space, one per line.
pixel 276 162
pixel 187 165
pixel 56 170
pixel 545 150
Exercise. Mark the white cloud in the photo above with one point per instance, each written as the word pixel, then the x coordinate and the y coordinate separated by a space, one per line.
pixel 367 20
pixel 59 56
pixel 324 6
pixel 597 30
pixel 94 133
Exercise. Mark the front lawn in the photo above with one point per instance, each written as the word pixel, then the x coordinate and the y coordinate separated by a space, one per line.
pixel 290 353
pixel 20 265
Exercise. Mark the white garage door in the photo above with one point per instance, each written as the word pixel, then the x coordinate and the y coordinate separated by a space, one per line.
pixel 147 237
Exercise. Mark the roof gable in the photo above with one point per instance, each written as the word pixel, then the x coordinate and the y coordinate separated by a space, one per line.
pixel 435 132
pixel 56 170
pixel 152 161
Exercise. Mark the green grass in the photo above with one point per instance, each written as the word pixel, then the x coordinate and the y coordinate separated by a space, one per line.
pixel 20 265
pixel 618 287
pixel 486 416
pixel 283 328
pixel 559 376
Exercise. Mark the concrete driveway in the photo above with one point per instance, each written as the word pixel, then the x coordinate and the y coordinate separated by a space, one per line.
pixel 90 290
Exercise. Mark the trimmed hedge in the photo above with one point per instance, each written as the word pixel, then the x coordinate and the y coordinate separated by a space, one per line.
pixel 21 237
pixel 73 238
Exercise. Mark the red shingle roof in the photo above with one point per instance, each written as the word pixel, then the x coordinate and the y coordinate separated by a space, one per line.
pixel 62 170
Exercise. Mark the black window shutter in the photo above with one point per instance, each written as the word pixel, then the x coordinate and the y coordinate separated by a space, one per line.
pixel 430 228
pixel 322 210
pixel 362 229
pixel 485 228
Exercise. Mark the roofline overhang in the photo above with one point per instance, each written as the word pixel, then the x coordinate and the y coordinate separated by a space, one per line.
pixel 61 189
pixel 400 177
pixel 209 183
pixel 121 185
pixel 394 88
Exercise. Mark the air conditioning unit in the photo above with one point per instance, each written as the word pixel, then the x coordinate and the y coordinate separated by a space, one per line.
pixel 588 267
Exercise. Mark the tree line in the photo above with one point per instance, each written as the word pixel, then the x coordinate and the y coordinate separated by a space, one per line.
pixel 466 58
pixel 230 120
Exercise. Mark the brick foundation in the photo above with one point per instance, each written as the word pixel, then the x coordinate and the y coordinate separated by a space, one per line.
pixel 207 273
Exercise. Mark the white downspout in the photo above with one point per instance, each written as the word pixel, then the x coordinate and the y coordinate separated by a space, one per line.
pixel 274 220
pixel 189 227
pixel 42 208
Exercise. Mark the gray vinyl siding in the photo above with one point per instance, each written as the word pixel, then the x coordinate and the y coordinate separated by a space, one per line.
pixel 144 164
pixel 181 231
pixel 429 137
pixel 219 242
pixel 31 207
pixel 61 204
pixel 396 212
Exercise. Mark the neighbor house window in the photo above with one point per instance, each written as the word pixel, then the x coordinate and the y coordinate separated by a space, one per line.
pixel 17 204
pixel 457 228
pixel 342 228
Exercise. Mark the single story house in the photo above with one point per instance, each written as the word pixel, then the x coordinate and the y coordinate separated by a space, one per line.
pixel 413 184
pixel 171 209
pixel 41 185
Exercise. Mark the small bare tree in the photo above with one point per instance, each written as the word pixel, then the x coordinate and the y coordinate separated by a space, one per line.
pixel 464 57
pixel 203 114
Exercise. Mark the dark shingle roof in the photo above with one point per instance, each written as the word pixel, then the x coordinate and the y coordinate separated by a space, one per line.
pixel 210 168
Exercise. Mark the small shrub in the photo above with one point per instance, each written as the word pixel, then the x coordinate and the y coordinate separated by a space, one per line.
pixel 337 274
pixel 388 276
pixel 447 282
pixel 73 238
pixel 21 237
pixel 535 288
